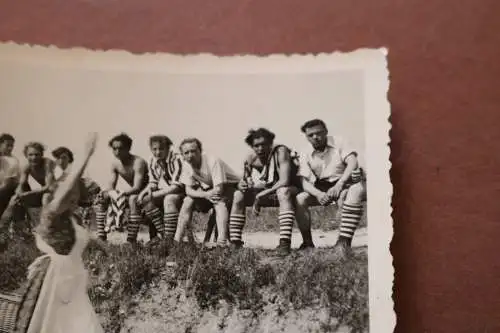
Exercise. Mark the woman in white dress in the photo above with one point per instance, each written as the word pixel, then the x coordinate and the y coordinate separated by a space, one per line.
pixel 61 303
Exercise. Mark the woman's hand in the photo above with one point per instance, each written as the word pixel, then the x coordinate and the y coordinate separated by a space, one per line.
pixel 91 143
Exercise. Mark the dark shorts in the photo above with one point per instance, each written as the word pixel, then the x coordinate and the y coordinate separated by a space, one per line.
pixel 203 205
pixel 270 200
pixel 324 185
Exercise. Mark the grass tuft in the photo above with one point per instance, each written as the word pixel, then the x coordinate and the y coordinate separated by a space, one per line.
pixel 122 275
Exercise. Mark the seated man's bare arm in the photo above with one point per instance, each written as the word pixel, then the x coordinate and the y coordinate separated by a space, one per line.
pixel 191 192
pixel 311 189
pixel 351 162
pixel 23 181
pixel 112 178
pixel 50 176
pixel 140 169
pixel 172 189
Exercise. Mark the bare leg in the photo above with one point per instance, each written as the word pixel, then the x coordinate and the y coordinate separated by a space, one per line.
pixel 303 217
pixel 185 217
pixel 222 219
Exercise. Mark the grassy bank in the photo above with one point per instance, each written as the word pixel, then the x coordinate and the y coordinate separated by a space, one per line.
pixel 213 288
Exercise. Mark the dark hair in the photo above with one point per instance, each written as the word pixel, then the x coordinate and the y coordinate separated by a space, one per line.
pixel 123 138
pixel 313 123
pixel 37 145
pixel 58 152
pixel 259 133
pixel 191 140
pixel 163 140
pixel 6 137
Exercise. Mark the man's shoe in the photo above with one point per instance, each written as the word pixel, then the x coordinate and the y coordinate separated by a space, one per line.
pixel 284 248
pixel 306 246
pixel 342 250
pixel 236 244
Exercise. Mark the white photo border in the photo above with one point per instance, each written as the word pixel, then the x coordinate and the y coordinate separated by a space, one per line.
pixel 373 62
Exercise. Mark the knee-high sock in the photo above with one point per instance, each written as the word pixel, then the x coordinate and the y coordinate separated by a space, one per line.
pixel 133 227
pixel 100 219
pixel 351 216
pixel 286 220
pixel 170 220
pixel 236 224
pixel 156 217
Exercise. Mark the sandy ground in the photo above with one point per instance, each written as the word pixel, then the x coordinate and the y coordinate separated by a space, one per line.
pixel 269 240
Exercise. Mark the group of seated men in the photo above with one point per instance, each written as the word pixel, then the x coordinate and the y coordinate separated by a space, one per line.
pixel 171 185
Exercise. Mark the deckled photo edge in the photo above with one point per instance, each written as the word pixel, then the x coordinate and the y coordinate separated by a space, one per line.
pixel 199 63
pixel 377 126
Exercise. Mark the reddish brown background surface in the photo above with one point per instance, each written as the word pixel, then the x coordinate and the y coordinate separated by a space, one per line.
pixel 444 62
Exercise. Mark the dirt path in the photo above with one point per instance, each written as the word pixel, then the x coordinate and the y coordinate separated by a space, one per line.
pixel 269 240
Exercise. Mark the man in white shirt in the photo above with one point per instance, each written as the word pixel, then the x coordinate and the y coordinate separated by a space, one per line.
pixel 209 182
pixel 330 171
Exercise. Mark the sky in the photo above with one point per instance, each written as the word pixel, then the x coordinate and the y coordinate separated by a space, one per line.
pixel 59 106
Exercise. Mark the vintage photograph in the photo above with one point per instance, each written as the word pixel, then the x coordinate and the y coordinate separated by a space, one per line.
pixel 166 193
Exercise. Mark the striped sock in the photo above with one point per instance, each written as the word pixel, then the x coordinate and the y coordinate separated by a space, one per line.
pixel 170 221
pixel 133 227
pixel 236 224
pixel 100 220
pixel 351 215
pixel 286 219
pixel 156 216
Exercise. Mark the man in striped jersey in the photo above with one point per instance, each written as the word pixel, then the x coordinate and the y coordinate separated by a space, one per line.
pixel 329 170
pixel 164 191
pixel 269 180
pixel 134 171
pixel 209 183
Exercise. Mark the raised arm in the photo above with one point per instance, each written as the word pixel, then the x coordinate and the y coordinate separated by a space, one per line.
pixel 50 176
pixel 60 202
pixel 113 178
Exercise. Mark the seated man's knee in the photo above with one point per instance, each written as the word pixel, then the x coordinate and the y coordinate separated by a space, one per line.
pixel 188 203
pixel 238 198
pixel 221 206
pixel 302 199
pixel 132 201
pixel 355 193
pixel 284 194
pixel 149 206
pixel 172 201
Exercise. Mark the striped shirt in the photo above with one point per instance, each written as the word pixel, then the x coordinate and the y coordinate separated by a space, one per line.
pixel 269 173
pixel 165 172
